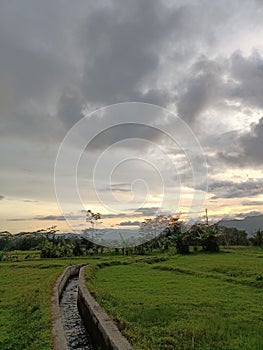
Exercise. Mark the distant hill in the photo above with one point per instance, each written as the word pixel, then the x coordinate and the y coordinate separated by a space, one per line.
pixel 250 223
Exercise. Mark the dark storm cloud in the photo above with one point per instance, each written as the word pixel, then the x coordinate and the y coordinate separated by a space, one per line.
pixel 231 189
pixel 246 149
pixel 124 46
pixel 125 132
pixel 214 83
pixel 247 75
pixel 35 65
pixel 70 107
pixel 201 89
pixel 121 42
pixel 59 60
pixel 252 144
pixel 120 46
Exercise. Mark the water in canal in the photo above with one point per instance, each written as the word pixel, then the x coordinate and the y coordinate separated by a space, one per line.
pixel 75 332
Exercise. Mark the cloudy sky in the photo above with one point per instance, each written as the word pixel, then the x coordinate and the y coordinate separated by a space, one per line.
pixel 62 61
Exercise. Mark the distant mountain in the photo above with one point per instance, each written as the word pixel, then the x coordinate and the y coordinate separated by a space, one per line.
pixel 250 223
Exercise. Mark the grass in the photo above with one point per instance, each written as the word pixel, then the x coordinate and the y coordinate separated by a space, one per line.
pixel 200 301
pixel 25 292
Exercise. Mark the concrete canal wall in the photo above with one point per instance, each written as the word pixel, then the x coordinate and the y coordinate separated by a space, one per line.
pixel 103 332
pixel 58 334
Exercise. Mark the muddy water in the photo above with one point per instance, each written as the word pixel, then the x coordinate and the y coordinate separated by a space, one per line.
pixel 76 334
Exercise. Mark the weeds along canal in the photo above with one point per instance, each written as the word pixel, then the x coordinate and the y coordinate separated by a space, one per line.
pixel 75 331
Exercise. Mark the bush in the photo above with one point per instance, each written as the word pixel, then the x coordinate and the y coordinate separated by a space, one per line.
pixel 210 243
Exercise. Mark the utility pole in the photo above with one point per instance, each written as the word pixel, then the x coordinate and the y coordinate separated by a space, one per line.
pixel 206 216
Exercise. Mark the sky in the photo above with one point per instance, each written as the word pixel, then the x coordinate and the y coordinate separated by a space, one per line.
pixel 129 108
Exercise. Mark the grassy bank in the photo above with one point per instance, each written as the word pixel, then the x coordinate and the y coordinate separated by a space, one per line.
pixel 200 301
pixel 25 292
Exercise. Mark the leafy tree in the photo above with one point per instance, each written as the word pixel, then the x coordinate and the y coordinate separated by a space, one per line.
pixel 231 236
pixel 92 218
pixel 257 239
pixel 209 240
pixel 206 236
pixel 178 238
pixel 77 251
pixel 169 230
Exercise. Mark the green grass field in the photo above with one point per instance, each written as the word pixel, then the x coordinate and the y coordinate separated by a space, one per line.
pixel 25 293
pixel 199 301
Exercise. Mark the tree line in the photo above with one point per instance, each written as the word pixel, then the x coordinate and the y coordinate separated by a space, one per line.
pixel 160 233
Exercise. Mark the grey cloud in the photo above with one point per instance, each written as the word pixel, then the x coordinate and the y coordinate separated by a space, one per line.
pixel 130 223
pixel 121 187
pixel 124 132
pixel 61 217
pixel 252 143
pixel 246 149
pixel 50 218
pixel 159 97
pixel 250 213
pixel 122 41
pixel 134 212
pixel 215 185
pixel 36 65
pixel 252 203
pixel 59 59
pixel 240 216
pixel 230 189
pixel 34 45
pixel 147 211
pixel 247 74
pixel 32 125
pixel 211 83
pixel 125 45
pixel 201 89
pixel 70 107
pixel 113 216
pixel 2 197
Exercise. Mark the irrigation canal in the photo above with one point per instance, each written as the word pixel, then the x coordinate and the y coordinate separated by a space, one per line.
pixel 75 332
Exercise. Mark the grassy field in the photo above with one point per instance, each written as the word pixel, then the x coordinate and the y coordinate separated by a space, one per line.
pixel 25 292
pixel 199 301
